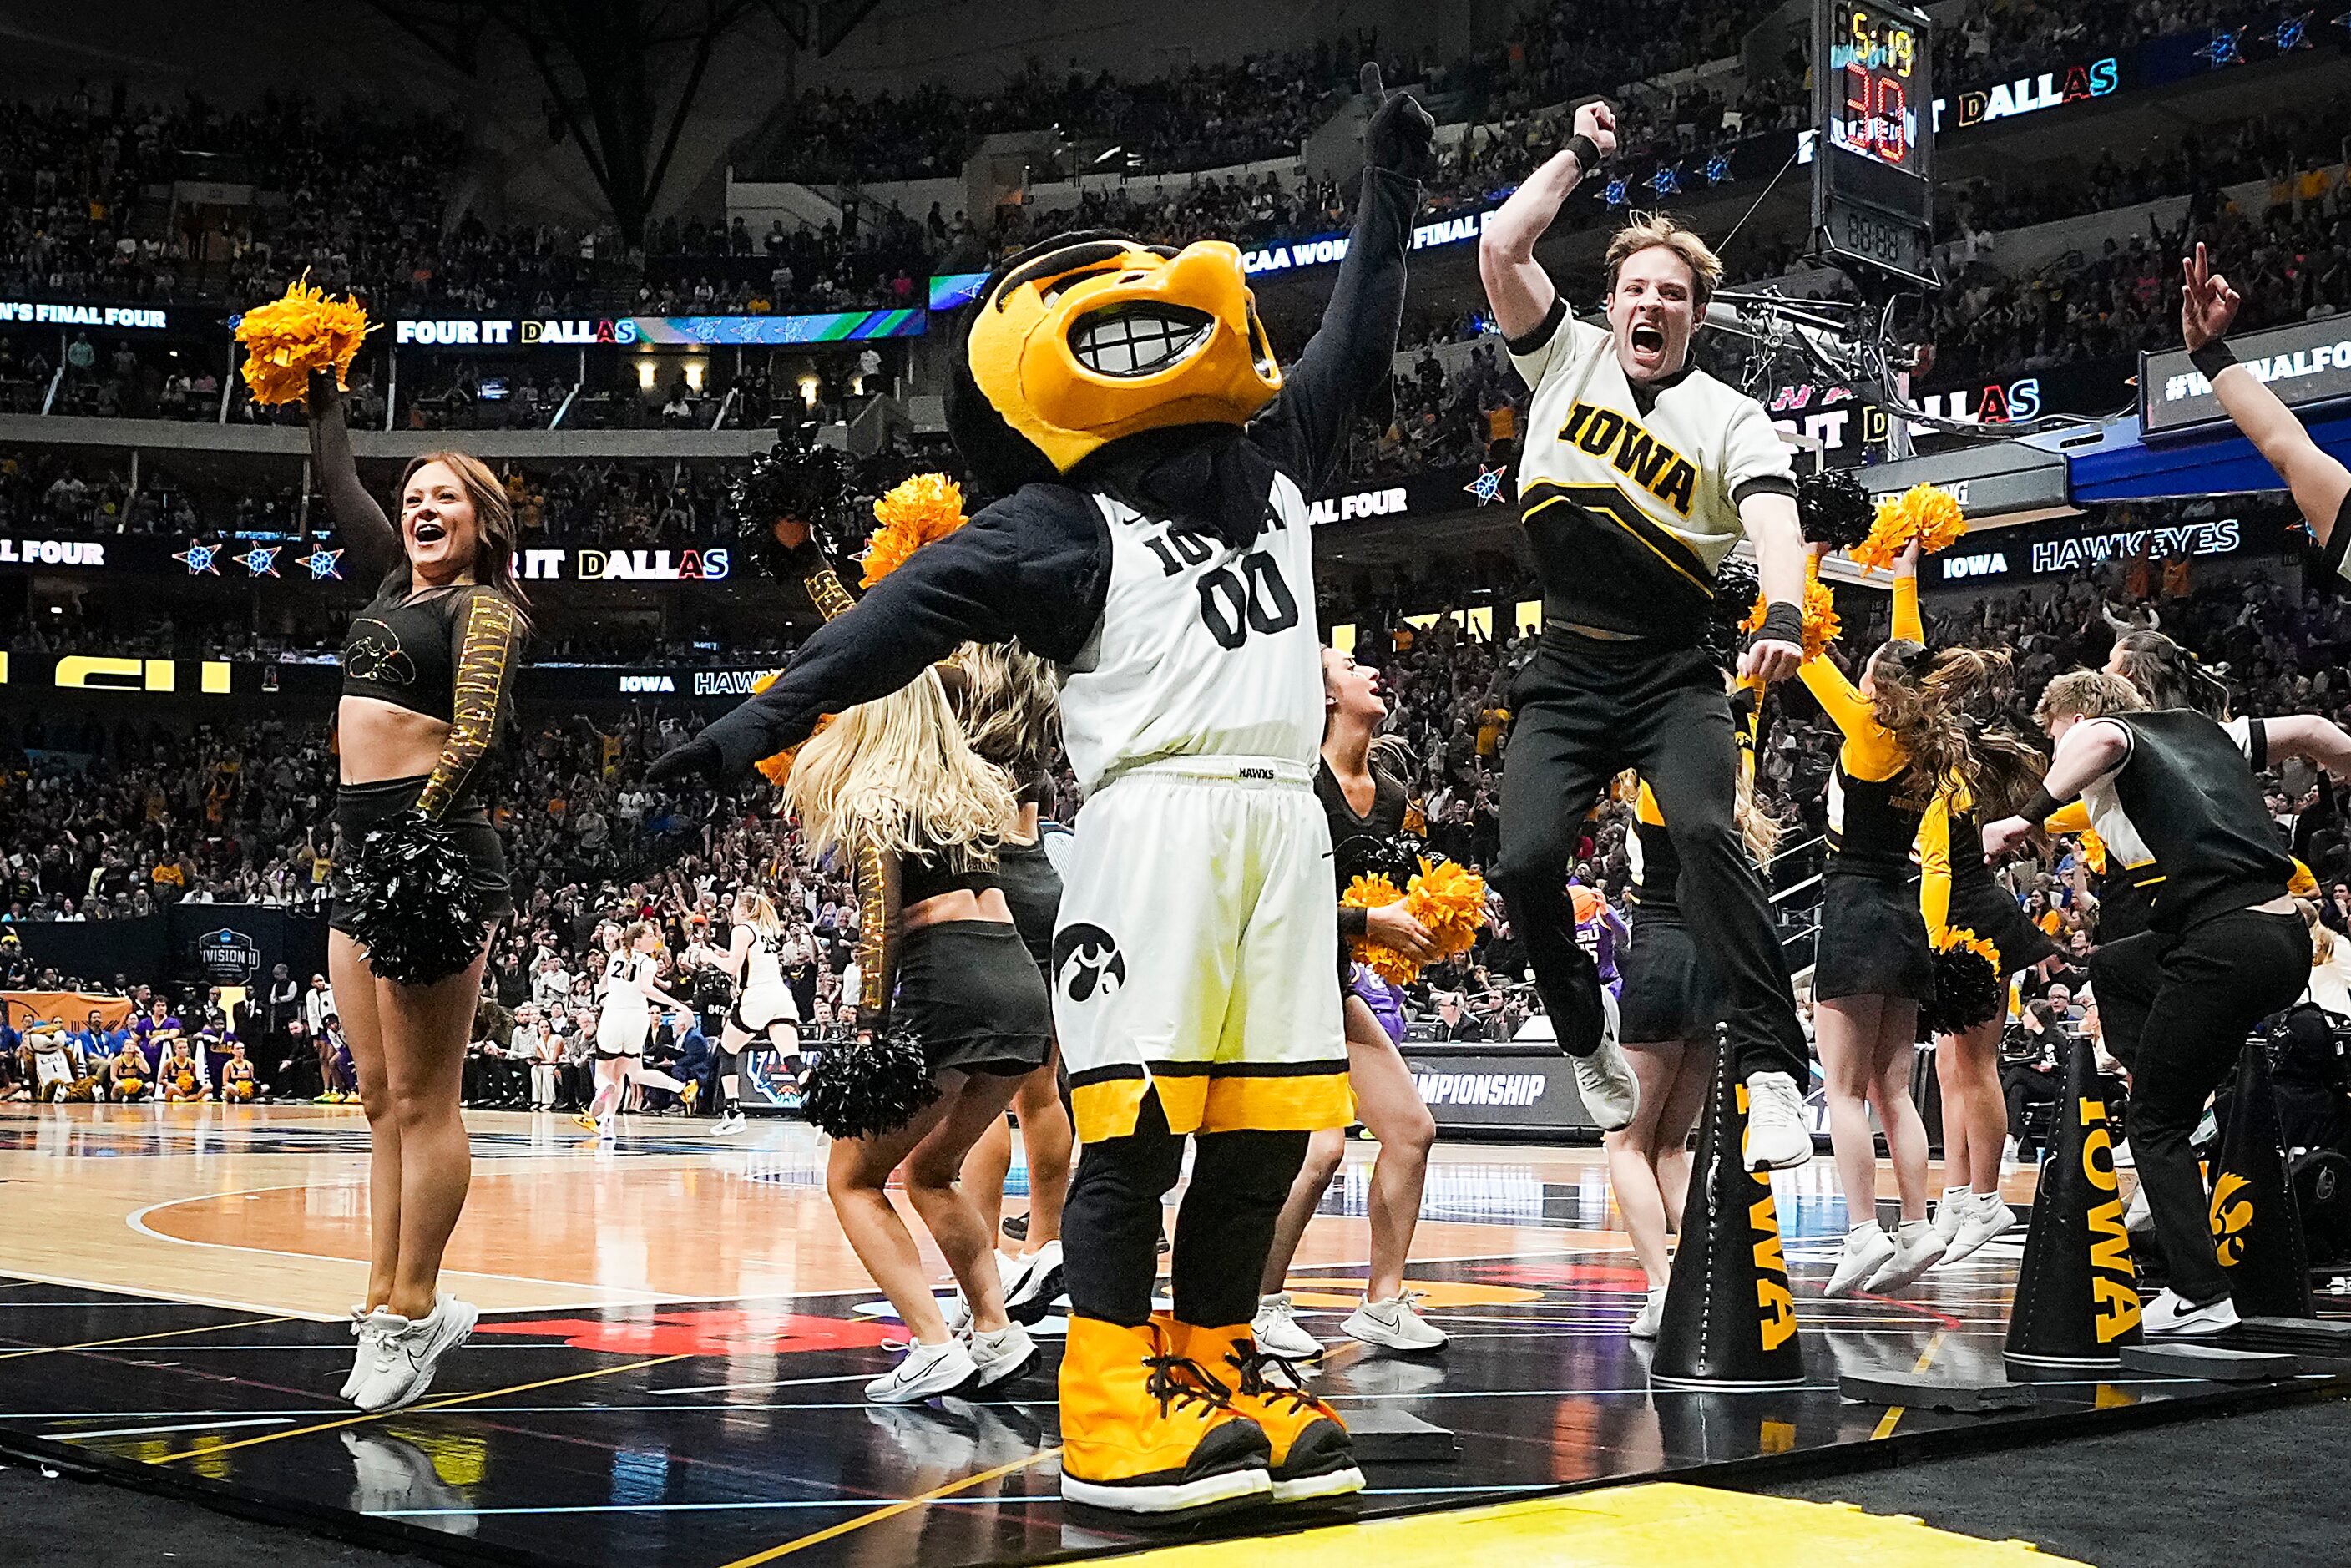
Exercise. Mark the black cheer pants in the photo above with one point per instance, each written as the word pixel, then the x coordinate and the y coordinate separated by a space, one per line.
pixel 1222 1234
pixel 2176 1009
pixel 1588 710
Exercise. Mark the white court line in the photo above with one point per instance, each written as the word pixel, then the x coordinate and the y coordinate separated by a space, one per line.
pixel 183 1426
pixel 783 1383
pixel 1015 1500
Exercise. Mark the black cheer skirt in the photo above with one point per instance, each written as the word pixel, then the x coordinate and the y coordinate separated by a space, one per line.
pixel 1669 991
pixel 1873 939
pixel 358 807
pixel 968 990
pixel 2000 920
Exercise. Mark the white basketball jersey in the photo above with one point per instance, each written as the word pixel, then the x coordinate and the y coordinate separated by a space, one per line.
pixel 623 972
pixel 1202 650
pixel 761 966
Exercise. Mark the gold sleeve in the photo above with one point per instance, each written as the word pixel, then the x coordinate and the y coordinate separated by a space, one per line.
pixel 1909 626
pixel 2072 819
pixel 877 934
pixel 1871 752
pixel 1934 866
pixel 488 645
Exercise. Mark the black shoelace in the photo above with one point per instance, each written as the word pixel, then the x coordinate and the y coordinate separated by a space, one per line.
pixel 1180 1380
pixel 1254 1382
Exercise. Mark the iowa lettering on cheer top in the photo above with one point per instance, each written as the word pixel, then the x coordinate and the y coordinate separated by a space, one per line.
pixel 1630 497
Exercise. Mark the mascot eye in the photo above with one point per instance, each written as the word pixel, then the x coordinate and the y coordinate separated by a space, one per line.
pixel 1137 340
pixel 1061 285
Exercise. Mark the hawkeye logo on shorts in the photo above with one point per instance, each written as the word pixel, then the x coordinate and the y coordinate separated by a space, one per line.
pixel 1633 452
pixel 1086 960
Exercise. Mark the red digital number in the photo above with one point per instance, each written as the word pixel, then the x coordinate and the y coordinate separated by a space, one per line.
pixel 1889 121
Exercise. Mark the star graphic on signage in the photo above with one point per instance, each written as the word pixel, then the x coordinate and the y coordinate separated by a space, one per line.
pixel 2293 33
pixel 2226 47
pixel 1667 181
pixel 261 561
pixel 199 558
pixel 1614 193
pixel 322 562
pixel 1487 487
pixel 1718 170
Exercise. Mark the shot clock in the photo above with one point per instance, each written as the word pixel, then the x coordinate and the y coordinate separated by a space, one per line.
pixel 1873 187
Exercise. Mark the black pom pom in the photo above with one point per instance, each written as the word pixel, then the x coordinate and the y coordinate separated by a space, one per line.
pixel 1735 588
pixel 867 1087
pixel 1967 991
pixel 1396 858
pixel 412 901
pixel 1834 507
pixel 811 484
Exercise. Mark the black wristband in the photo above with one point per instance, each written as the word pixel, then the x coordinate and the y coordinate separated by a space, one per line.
pixel 2041 807
pixel 1585 152
pixel 2212 358
pixel 1782 622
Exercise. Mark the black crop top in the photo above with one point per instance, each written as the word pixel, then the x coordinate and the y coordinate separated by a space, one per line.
pixel 928 876
pixel 1355 839
pixel 450 653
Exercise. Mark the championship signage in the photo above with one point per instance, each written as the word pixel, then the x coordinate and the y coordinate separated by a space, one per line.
pixel 2304 362
pixel 1499 1090
pixel 478 334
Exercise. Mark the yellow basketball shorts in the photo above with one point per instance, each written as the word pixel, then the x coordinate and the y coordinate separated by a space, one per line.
pixel 1195 949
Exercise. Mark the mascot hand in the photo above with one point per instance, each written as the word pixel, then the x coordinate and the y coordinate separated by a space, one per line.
pixel 1402 136
pixel 698 762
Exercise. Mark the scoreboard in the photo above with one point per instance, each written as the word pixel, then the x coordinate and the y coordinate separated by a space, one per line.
pixel 1873 182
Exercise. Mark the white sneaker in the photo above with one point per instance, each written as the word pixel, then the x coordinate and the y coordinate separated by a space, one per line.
pixel 364 1329
pixel 2168 1317
pixel 1034 1283
pixel 407 1351
pixel 1651 1317
pixel 2137 1217
pixel 1987 1216
pixel 2125 1160
pixel 1604 1079
pixel 1916 1250
pixel 1866 1249
pixel 1777 1137
pixel 1393 1324
pixel 1276 1332
pixel 1007 1353
pixel 926 1372
pixel 957 1310
pixel 1952 1211
pixel 730 1124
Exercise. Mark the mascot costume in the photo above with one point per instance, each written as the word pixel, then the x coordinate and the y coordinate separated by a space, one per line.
pixel 1153 540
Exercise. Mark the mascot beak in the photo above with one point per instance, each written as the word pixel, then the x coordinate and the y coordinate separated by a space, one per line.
pixel 1094 341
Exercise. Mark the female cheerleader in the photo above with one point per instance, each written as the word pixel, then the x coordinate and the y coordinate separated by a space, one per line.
pixel 1957 892
pixel 763 1006
pixel 626 1022
pixel 1670 1007
pixel 1365 798
pixel 1903 741
pixel 426 675
pixel 895 781
pixel 1007 700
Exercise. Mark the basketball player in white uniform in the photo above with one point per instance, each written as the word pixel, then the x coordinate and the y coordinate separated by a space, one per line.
pixel 1639 474
pixel 624 1020
pixel 765 1008
pixel 1155 543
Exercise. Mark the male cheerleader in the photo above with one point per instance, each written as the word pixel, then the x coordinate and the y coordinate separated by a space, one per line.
pixel 2225 946
pixel 1155 541
pixel 1639 473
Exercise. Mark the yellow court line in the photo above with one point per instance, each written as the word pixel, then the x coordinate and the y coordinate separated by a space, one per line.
pixel 140 1338
pixel 410 1409
pixel 892 1512
pixel 1893 1417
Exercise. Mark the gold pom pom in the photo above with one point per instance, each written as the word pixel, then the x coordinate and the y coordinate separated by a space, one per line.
pixel 1450 901
pixel 926 507
pixel 301 331
pixel 1820 623
pixel 1958 938
pixel 1371 893
pixel 2094 850
pixel 778 770
pixel 1928 513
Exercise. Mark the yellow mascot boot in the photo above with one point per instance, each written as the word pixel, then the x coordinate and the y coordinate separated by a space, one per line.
pixel 1312 1454
pixel 1143 1431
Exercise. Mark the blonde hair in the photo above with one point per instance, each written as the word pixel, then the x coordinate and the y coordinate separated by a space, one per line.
pixel 899 771
pixel 763 918
pixel 1010 704
pixel 1649 230
pixel 2087 693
